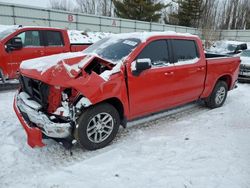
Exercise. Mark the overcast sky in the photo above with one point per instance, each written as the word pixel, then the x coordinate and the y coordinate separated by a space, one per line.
pixel 37 3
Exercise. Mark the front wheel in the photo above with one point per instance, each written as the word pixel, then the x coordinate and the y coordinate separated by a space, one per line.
pixel 218 96
pixel 97 126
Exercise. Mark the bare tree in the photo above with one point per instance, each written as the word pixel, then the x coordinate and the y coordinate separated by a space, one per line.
pixel 61 5
pixel 235 14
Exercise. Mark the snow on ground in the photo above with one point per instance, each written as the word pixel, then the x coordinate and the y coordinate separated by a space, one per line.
pixel 81 37
pixel 4 27
pixel 195 147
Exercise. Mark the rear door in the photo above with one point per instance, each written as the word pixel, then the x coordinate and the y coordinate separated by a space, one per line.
pixel 54 42
pixel 190 71
pixel 151 90
pixel 32 48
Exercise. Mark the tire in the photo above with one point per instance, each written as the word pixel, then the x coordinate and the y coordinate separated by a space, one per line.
pixel 97 126
pixel 218 96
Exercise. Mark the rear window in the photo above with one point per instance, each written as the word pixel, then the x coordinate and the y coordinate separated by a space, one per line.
pixel 185 50
pixel 54 38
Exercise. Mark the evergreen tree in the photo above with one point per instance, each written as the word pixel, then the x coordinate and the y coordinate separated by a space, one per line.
pixel 189 12
pixel 144 10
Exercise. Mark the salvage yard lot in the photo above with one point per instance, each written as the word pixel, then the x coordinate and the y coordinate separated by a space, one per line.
pixel 196 147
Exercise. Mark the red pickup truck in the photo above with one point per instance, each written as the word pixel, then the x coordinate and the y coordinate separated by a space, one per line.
pixel 83 97
pixel 19 43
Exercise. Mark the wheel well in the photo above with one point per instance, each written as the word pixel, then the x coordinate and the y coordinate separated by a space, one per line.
pixel 119 107
pixel 227 79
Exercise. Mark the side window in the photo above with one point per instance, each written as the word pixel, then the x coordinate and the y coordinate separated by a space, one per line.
pixel 30 38
pixel 184 50
pixel 157 51
pixel 54 38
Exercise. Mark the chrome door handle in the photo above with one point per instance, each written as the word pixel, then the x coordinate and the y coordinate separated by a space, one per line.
pixel 41 52
pixel 168 73
pixel 200 68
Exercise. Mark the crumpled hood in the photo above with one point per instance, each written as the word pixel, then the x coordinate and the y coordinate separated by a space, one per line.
pixel 56 69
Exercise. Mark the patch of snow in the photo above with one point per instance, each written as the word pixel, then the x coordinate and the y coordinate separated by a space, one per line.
pixel 81 37
pixel 31 103
pixel 96 36
pixel 77 66
pixel 223 46
pixel 192 147
pixel 106 74
pixel 187 62
pixel 6 30
pixel 144 60
pixel 6 27
pixel 245 60
pixel 133 66
pixel 42 64
pixel 84 102
pixel 62 111
pixel 144 36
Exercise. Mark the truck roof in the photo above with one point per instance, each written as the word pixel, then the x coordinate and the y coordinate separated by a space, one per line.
pixel 3 27
pixel 143 36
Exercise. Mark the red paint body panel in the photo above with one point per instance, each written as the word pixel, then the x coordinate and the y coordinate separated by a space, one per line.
pixel 217 68
pixel 10 61
pixel 77 47
pixel 154 89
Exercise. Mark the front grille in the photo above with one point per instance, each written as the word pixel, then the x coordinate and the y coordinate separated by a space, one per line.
pixel 38 90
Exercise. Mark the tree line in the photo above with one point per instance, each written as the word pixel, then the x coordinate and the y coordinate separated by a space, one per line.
pixel 205 14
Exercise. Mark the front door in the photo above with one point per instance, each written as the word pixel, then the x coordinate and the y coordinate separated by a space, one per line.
pixel 151 90
pixel 32 48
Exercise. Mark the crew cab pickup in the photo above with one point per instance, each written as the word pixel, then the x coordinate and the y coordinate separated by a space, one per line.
pixel 19 43
pixel 84 97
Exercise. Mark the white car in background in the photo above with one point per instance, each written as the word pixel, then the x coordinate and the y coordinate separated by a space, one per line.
pixel 244 74
pixel 227 47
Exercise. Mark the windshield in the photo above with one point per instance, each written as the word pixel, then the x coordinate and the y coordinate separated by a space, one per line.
pixel 113 48
pixel 6 31
pixel 245 53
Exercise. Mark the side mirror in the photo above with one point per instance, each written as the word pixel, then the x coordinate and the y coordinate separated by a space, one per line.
pixel 141 65
pixel 240 48
pixel 15 44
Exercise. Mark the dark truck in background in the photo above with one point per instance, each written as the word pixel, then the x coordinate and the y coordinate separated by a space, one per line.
pixel 18 43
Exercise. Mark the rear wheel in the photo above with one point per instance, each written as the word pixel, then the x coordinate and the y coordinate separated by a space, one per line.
pixel 97 126
pixel 218 96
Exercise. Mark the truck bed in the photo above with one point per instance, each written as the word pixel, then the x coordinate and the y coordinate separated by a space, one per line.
pixel 216 68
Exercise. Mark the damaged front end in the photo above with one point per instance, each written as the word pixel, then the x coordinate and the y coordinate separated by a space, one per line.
pixel 47 111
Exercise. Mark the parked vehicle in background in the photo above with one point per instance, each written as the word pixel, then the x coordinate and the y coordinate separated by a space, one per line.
pixel 244 74
pixel 85 96
pixel 19 43
pixel 227 47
